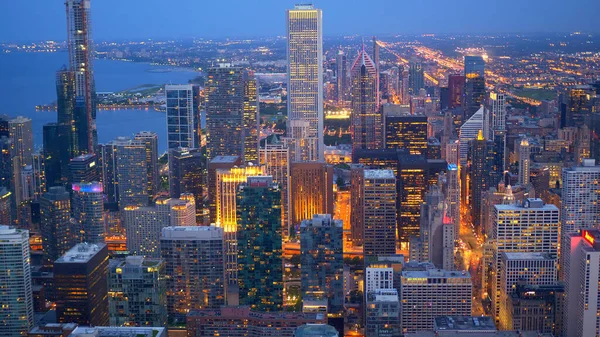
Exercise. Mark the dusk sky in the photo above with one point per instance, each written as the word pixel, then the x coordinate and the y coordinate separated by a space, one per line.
pixel 34 20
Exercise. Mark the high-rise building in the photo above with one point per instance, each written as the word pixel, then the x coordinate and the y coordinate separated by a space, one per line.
pixel 311 190
pixel 88 211
pixel 39 174
pixel 151 141
pixel 137 292
pixel 530 227
pixel 16 311
pixel 576 105
pixel 5 206
pixel 21 134
pixel 55 222
pixel 474 84
pixel 305 75
pixel 194 262
pixel 405 131
pixel 453 196
pixel 537 308
pixel 83 169
pixel 218 163
pixel 366 116
pixel 259 241
pixel 382 313
pixel 478 170
pixel 80 46
pixel 374 211
pixel 456 89
pixel 497 107
pixel 144 224
pixel 303 146
pixel 56 159
pixel 275 157
pixel 341 77
pixel 182 115
pixel 81 285
pixel 321 261
pixel 469 131
pixel 524 161
pixel 188 174
pixel 69 121
pixel 416 78
pixel 231 113
pixel 316 330
pixel 427 294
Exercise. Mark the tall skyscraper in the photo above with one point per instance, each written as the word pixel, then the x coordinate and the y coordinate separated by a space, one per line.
pixel 366 116
pixel 70 123
pixel 259 241
pixel 469 131
pixel 144 224
pixel 21 134
pixel 81 285
pixel 576 105
pixel 497 107
pixel 321 261
pixel 56 159
pixel 188 174
pixel 478 169
pixel 530 227
pixel 311 190
pixel 16 311
pixel 194 262
pixel 342 77
pixel 416 78
pixel 374 211
pixel 151 141
pixel 84 169
pixel 231 113
pixel 474 84
pixel 305 74
pixel 55 222
pixel 80 45
pixel 88 211
pixel 182 115
pixel 524 162
pixel 137 289
pixel 453 196
pixel 456 89
pixel 275 157
pixel 405 131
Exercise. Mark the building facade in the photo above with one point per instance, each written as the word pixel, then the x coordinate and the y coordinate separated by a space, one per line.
pixel 366 120
pixel 88 212
pixel 182 115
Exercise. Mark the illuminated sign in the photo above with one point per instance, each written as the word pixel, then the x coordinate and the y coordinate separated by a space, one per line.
pixel 588 237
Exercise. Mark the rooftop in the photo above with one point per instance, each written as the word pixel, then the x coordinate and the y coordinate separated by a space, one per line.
pixel 435 273
pixel 192 233
pixel 316 330
pixel 81 253
pixel 379 174
pixel 103 331
pixel 458 323
pixel 224 159
pixel 321 220
pixel 529 203
pixel 528 256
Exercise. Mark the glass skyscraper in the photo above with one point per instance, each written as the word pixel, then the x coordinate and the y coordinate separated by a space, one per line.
pixel 474 84
pixel 182 115
pixel 366 116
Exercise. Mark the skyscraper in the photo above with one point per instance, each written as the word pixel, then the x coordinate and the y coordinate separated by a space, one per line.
pixel 374 211
pixel 474 84
pixel 88 211
pixel 231 113
pixel 469 131
pixel 275 157
pixel 182 115
pixel 55 223
pixel 305 74
pixel 80 280
pixel 321 261
pixel 79 41
pixel 342 77
pixel 524 162
pixel 576 105
pixel 416 78
pixel 456 89
pixel 21 135
pixel 137 289
pixel 151 141
pixel 311 190
pixel 366 121
pixel 405 131
pixel 69 121
pixel 194 262
pixel 478 170
pixel 16 311
pixel 84 169
pixel 188 174
pixel 259 241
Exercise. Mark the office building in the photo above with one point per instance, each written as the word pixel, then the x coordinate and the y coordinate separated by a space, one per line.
pixel 21 134
pixel 137 292
pixel 311 190
pixel 143 225
pixel 537 308
pixel 478 179
pixel 531 268
pixel 55 223
pixel 56 159
pixel 71 123
pixel 5 204
pixel 52 330
pixel 194 269
pixel 456 90
pixel 275 157
pixel 112 331
pixel 39 174
pixel 528 227
pixel 382 313
pixel 305 78
pixel 453 196
pixel 427 294
pixel 218 163
pixel 83 169
pixel 259 241
pixel 231 113
pixel 416 79
pixel 88 211
pixel 341 77
pixel 81 285
pixel 316 330
pixel 16 312
pixel 321 261
pixel 238 321
pixel 524 161
pixel 469 131
pixel 151 141
pixel 188 174
pixel 406 131
pixel 576 105
pixel 374 212
pixel 182 115
pixel 474 85
pixel 366 116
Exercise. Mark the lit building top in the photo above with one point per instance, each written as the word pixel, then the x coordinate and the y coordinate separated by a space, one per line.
pixel 530 203
pixel 304 7
pixel 81 253
pixel 94 187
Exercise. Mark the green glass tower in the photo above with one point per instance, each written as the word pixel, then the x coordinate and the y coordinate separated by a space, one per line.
pixel 260 269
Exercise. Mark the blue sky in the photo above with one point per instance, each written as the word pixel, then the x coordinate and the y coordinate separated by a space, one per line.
pixel 33 20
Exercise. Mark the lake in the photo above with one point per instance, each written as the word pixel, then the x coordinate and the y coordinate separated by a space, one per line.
pixel 28 79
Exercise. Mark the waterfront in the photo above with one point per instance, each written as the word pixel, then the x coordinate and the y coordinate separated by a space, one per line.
pixel 27 80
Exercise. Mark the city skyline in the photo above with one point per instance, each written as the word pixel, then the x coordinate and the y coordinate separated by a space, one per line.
pixel 531 17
